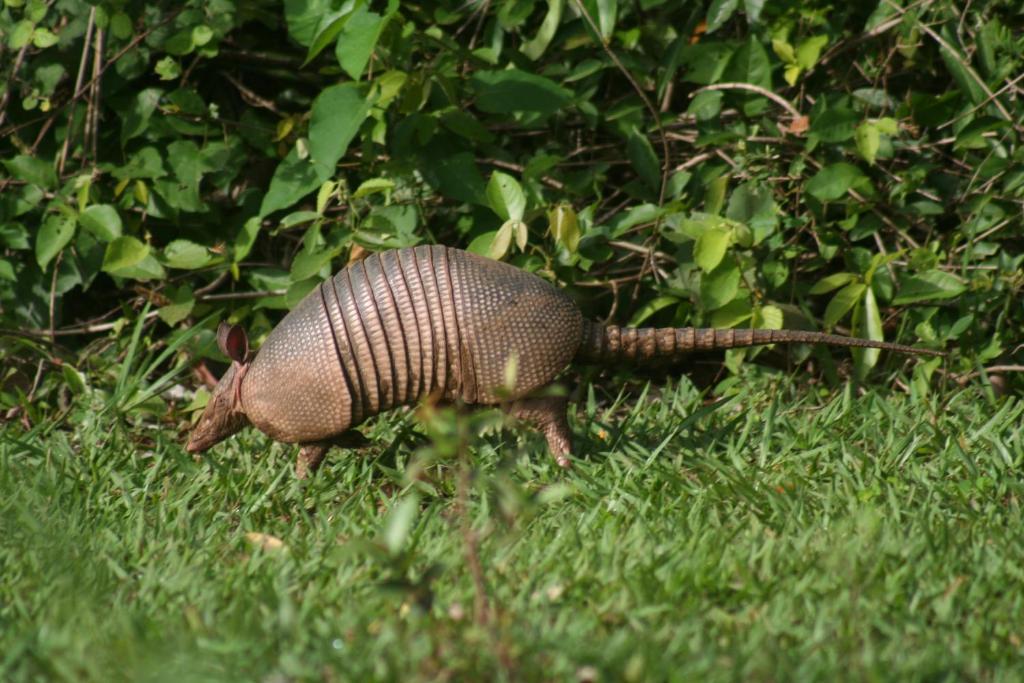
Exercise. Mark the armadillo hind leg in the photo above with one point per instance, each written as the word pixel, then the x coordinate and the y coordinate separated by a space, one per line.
pixel 311 455
pixel 547 415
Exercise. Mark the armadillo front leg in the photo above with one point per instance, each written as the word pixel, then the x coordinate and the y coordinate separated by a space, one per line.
pixel 311 455
pixel 547 415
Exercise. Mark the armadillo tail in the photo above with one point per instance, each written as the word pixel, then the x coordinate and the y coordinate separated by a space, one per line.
pixel 613 343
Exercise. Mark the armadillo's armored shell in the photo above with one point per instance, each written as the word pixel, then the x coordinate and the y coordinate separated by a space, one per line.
pixel 402 325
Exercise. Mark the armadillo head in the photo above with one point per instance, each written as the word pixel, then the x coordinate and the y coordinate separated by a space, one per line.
pixel 224 415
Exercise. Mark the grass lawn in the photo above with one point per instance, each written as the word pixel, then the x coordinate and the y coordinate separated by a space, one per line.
pixel 806 537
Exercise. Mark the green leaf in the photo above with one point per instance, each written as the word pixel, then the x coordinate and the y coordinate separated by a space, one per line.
pixel 373 186
pixel 167 69
pixel 182 302
pixel 564 226
pixel 831 282
pixel 769 318
pixel 834 125
pixel 359 36
pixel 135 121
pixel 868 139
pixel 868 324
pixel 605 15
pixel 720 286
pixel 338 113
pixel 842 302
pixel 732 314
pixel 186 255
pixel 128 257
pixel 7 271
pixel 931 285
pixel 535 47
pixel 293 179
pixel 514 90
pixel 706 105
pixel 399 523
pixel 753 205
pixel 123 253
pixel 21 35
pixel 833 182
pixel 808 51
pixel 753 9
pixel 652 307
pixel 32 170
pixel 719 12
pixel 55 234
pixel 710 248
pixel 44 38
pixel 328 27
pixel 750 64
pixel 502 241
pixel 644 160
pixel 102 220
pixel 505 197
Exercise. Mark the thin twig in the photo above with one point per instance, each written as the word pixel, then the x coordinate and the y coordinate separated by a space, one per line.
pixel 764 92
pixel 69 136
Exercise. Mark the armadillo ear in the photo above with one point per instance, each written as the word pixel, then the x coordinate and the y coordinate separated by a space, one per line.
pixel 233 342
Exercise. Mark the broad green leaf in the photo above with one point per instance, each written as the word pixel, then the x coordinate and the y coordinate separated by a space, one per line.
pixel 308 262
pixel 564 226
pixel 186 255
pixel 182 302
pixel 304 16
pixel 506 197
pixel 706 105
pixel 710 248
pixel 44 38
pixel 55 234
pixel 831 282
pixel 732 314
pixel 720 12
pixel 720 286
pixel 338 113
pixel 808 51
pixel 535 47
pixel 359 36
pixel 931 285
pixel 769 318
pixel 833 182
pixel 135 121
pixel 644 160
pixel 7 271
pixel 513 90
pixel 834 125
pixel 502 241
pixel 753 205
pixel 123 253
pixel 293 179
pixel 329 26
pixel 21 35
pixel 750 64
pixel 868 138
pixel 102 220
pixel 753 9
pixel 842 302
pixel 32 170
pixel 652 307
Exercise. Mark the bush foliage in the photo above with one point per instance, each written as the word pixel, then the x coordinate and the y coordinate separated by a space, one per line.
pixel 732 163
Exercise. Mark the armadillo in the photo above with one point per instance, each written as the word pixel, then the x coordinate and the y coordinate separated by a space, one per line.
pixel 430 321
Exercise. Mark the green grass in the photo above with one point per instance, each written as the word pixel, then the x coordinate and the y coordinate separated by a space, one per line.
pixel 861 537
